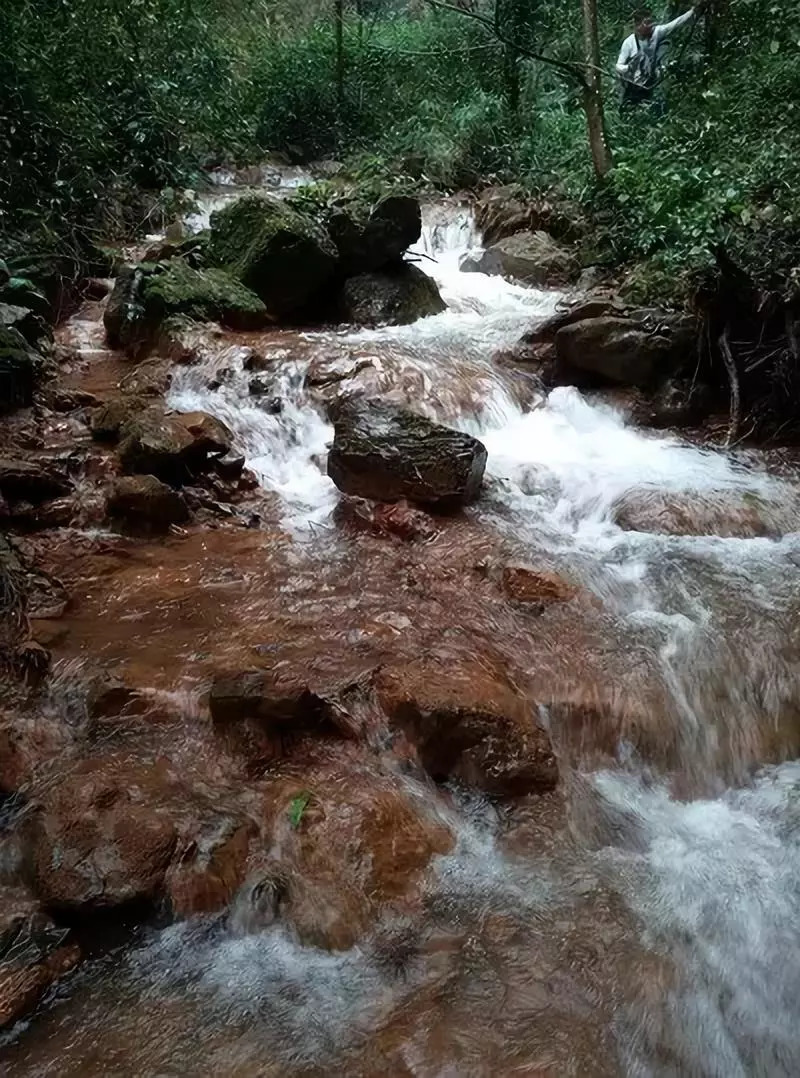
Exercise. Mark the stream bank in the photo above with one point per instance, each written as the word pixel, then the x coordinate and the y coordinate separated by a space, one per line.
pixel 496 792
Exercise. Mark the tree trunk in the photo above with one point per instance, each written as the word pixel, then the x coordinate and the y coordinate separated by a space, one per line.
pixel 593 93
pixel 339 31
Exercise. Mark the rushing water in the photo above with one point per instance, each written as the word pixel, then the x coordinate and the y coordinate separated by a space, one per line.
pixel 708 884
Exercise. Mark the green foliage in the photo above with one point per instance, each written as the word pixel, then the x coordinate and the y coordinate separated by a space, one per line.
pixel 297 808
pixel 99 98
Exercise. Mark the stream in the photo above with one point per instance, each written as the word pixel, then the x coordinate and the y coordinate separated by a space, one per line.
pixel 640 921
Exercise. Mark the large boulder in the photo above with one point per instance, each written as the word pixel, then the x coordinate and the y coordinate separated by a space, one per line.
pixel 631 351
pixel 144 503
pixel 369 238
pixel 172 447
pixel 207 295
pixel 19 369
pixel 396 296
pixel 274 249
pixel 533 258
pixel 467 721
pixel 387 454
pixel 34 953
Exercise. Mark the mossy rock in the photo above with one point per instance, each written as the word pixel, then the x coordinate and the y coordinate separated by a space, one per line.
pixel 203 294
pixel 20 367
pixel 397 296
pixel 280 253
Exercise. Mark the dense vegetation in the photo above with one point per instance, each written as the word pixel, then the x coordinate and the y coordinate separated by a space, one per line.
pixel 100 99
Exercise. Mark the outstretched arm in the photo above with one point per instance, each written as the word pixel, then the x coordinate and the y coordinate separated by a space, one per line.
pixel 668 28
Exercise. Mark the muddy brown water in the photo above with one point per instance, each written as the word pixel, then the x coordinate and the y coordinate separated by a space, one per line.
pixel 640 919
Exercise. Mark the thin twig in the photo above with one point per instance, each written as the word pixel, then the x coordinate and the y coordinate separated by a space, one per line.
pixel 733 376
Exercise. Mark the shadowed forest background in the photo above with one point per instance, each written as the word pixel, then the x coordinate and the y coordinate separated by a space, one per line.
pixel 99 100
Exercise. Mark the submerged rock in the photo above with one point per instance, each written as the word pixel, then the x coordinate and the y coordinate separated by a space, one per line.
pixel 388 454
pixel 468 722
pixel 397 296
pixel 144 503
pixel 663 512
pixel 34 953
pixel 103 838
pixel 534 258
pixel 280 253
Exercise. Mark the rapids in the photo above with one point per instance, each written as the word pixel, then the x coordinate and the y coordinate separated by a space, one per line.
pixel 652 929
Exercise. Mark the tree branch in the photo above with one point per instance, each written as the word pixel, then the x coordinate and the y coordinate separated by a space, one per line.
pixel 573 70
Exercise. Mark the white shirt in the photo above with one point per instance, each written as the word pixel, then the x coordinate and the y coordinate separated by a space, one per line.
pixel 647 52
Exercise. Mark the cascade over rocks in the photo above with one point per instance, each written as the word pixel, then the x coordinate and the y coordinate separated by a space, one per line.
pixel 533 258
pixel 387 454
pixel 397 296
pixel 280 253
pixel 468 722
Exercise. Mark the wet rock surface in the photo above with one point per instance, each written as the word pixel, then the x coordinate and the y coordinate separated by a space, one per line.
pixel 387 454
pixel 388 787
pixel 395 296
pixel 534 258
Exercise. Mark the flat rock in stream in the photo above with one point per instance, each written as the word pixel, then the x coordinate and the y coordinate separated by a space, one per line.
pixel 387 454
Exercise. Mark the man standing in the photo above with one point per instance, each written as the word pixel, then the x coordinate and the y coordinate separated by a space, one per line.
pixel 639 64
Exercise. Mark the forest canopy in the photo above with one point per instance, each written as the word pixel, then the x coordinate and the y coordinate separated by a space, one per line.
pixel 101 99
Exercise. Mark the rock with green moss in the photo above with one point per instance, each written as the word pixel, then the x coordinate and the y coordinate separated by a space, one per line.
pixel 396 296
pixel 20 367
pixel 276 250
pixel 214 295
